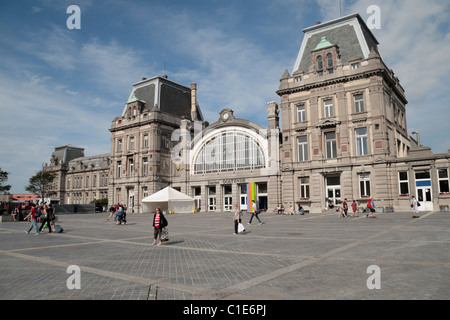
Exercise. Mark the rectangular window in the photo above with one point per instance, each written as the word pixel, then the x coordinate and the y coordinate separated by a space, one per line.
pixel 119 145
pixel 146 141
pixel 301 116
pixel 359 103
pixel 144 166
pixel 144 192
pixel 443 181
pixel 361 142
pixel 304 188
pixel 164 142
pixel 364 185
pixel 302 143
pixel 328 109
pixel 330 143
pixel 403 183
pixel 119 168
pixel 131 143
pixel 130 167
pixel 355 66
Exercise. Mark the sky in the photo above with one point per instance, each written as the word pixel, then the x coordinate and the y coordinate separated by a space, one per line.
pixel 60 85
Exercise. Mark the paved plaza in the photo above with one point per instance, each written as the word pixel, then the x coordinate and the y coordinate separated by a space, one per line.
pixel 313 256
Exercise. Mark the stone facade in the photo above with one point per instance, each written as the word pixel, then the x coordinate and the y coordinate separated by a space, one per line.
pixel 344 124
pixel 343 135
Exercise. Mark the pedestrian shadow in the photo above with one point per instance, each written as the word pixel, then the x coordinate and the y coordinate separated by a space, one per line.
pixel 170 243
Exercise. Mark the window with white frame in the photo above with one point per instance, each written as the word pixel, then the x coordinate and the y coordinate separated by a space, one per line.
pixel 119 145
pixel 331 145
pixel 304 188
pixel 362 148
pixel 146 141
pixel 302 143
pixel 229 151
pixel 131 143
pixel 144 166
pixel 364 185
pixel 144 192
pixel 328 111
pixel 119 168
pixel 403 182
pixel 301 115
pixel 130 167
pixel 355 66
pixel 443 180
pixel 359 103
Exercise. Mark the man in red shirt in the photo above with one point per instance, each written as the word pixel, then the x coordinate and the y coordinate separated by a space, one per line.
pixel 33 220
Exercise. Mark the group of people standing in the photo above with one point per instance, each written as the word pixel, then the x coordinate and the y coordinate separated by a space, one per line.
pixel 343 208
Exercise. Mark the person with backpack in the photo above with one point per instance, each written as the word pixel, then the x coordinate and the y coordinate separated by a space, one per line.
pixel 371 206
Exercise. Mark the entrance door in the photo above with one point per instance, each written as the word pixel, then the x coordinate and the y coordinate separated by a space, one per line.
pixel 423 190
pixel 334 195
pixel 333 191
pixel 243 197
pixel 130 205
pixel 211 198
pixel 227 198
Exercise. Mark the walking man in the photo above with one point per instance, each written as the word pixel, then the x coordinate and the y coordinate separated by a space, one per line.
pixel 371 206
pixel 33 220
pixel 415 207
pixel 254 213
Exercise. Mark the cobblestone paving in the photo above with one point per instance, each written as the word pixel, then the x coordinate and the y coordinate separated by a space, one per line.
pixel 315 256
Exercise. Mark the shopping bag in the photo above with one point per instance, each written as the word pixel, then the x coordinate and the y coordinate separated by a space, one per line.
pixel 165 234
pixel 241 228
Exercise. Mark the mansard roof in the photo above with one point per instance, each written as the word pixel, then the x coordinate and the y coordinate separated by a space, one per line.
pixel 165 95
pixel 350 34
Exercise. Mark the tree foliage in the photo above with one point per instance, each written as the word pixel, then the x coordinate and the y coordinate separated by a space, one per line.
pixel 38 184
pixel 3 179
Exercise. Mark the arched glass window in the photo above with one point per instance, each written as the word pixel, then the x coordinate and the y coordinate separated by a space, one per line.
pixel 329 60
pixel 229 151
pixel 319 63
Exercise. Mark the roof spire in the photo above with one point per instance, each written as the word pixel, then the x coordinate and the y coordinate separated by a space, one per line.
pixel 323 43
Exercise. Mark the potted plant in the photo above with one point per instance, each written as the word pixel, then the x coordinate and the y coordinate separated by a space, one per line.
pixel 443 207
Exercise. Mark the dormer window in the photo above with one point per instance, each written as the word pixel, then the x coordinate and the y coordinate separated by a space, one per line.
pixel 319 63
pixel 325 54
pixel 330 63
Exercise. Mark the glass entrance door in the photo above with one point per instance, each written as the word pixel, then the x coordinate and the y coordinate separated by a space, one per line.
pixel 423 190
pixel 333 191
pixel 334 195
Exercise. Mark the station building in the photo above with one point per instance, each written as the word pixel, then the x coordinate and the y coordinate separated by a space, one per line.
pixel 339 132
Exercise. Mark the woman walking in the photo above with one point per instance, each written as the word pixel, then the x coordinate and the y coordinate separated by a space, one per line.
pixel 159 223
pixel 46 219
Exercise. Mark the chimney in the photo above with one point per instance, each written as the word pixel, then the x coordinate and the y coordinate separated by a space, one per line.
pixel 193 101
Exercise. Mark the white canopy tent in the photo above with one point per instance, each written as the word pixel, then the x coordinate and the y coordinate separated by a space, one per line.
pixel 168 199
